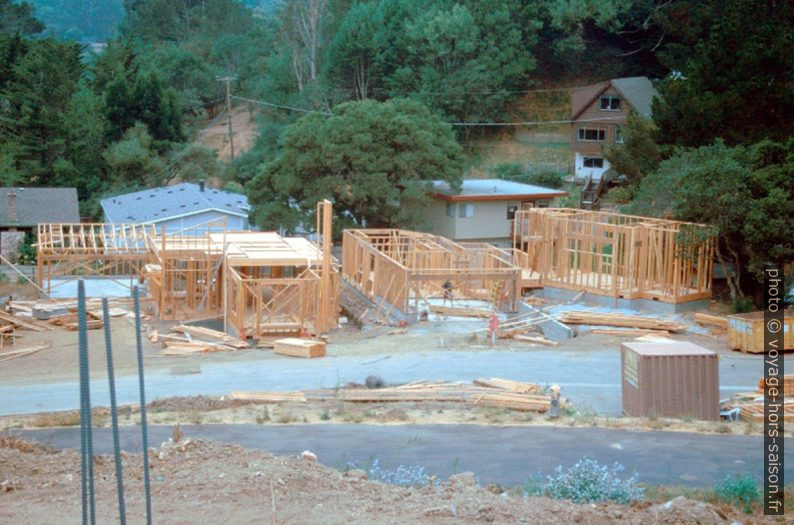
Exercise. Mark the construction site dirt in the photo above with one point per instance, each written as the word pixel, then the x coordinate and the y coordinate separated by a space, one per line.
pixel 227 483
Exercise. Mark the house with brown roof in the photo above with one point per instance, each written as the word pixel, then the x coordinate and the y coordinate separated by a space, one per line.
pixel 598 112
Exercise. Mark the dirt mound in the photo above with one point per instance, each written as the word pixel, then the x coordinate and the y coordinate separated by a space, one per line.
pixel 216 483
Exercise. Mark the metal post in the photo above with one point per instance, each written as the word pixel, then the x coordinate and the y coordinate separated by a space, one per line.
pixel 87 445
pixel 144 432
pixel 114 416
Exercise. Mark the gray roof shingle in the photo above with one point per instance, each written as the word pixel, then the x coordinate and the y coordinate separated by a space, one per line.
pixel 40 205
pixel 159 204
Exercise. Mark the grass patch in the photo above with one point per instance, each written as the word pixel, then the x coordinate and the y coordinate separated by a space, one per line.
pixel 57 419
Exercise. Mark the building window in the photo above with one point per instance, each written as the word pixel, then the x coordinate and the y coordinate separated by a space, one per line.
pixel 466 211
pixel 450 209
pixel 511 212
pixel 610 103
pixel 544 203
pixel 590 134
pixel 593 162
pixel 619 139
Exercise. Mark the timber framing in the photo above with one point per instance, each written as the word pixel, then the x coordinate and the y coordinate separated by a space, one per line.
pixel 610 254
pixel 260 283
pixel 401 268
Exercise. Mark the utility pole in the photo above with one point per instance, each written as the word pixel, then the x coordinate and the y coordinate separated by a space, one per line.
pixel 228 81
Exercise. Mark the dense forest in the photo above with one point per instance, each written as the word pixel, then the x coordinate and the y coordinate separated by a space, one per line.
pixel 362 101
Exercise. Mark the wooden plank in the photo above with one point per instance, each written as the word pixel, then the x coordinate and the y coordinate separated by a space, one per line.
pixel 29 325
pixel 295 347
pixel 507 384
pixel 534 339
pixel 460 312
pixel 628 321
pixel 711 320
pixel 22 352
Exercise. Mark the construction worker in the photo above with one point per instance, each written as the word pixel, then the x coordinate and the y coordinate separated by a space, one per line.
pixel 493 327
pixel 447 287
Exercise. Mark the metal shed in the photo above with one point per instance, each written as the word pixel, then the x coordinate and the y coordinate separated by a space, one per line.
pixel 675 379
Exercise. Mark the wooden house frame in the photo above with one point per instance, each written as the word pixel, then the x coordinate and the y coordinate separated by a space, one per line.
pixel 621 256
pixel 259 282
pixel 401 267
pixel 65 251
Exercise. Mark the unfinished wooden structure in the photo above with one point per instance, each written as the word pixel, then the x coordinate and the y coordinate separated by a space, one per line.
pixel 399 269
pixel 259 283
pixel 610 254
pixel 118 251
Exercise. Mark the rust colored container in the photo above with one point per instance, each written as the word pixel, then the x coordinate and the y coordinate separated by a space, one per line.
pixel 675 379
pixel 746 331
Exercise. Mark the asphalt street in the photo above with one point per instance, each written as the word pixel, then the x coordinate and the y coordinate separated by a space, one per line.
pixel 504 455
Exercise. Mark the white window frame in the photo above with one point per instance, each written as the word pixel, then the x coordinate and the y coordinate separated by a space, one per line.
pixel 600 132
pixel 585 159
pixel 619 138
pixel 611 99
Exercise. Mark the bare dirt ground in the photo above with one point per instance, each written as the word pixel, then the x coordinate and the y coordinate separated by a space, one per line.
pixel 217 483
pixel 215 136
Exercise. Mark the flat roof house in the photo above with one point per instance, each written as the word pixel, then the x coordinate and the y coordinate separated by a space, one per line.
pixel 597 114
pixel 484 209
pixel 178 207
pixel 22 209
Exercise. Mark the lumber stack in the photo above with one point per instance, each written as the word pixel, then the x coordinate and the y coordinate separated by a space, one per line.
pixel 626 321
pixel 711 321
pixel 493 392
pixel 460 311
pixel 22 323
pixel 295 347
pixel 183 348
pixel 208 333
pixel 751 404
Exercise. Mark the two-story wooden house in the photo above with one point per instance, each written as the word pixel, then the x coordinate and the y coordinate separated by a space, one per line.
pixel 597 114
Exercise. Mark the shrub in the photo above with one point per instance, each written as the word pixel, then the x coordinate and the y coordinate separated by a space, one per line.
pixel 742 304
pixel 740 490
pixel 548 179
pixel 588 481
pixel 407 476
pixel 508 171
pixel 620 195
pixel 3 278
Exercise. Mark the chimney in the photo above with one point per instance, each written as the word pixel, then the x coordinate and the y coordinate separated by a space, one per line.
pixel 201 185
pixel 12 207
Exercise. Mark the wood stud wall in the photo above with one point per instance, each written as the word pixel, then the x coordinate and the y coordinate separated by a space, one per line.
pixel 616 255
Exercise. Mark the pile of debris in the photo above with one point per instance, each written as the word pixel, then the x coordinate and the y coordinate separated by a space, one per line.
pixel 493 392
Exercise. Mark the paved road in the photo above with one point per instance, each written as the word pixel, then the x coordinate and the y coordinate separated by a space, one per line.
pixel 589 377
pixel 505 455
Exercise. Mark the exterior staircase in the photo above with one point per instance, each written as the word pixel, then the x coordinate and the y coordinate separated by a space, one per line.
pixel 590 198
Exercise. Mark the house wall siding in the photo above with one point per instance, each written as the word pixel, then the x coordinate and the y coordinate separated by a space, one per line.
pixel 593 117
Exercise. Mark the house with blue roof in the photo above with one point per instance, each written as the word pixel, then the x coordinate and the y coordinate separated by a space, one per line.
pixel 179 207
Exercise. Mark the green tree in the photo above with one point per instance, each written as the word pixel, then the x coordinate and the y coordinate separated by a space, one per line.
pixel 133 162
pixel 34 100
pixel 146 101
pixel 371 158
pixel 639 155
pixel 746 196
pixel 16 18
pixel 736 71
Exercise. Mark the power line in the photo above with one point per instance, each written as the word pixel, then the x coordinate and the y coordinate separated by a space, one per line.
pixel 532 123
pixel 270 104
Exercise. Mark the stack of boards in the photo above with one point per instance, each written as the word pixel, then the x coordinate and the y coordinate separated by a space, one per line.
pixel 494 392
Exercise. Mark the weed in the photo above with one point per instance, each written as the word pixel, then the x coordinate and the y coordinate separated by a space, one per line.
pixel 195 417
pixel 3 278
pixel 57 419
pixel 286 417
pixel 264 417
pixel 740 490
pixel 724 429
pixel 21 280
pixel 588 481
pixel 325 415
pixel 407 476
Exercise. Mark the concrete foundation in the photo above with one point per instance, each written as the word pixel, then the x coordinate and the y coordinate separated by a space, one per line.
pixel 640 305
pixel 551 328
